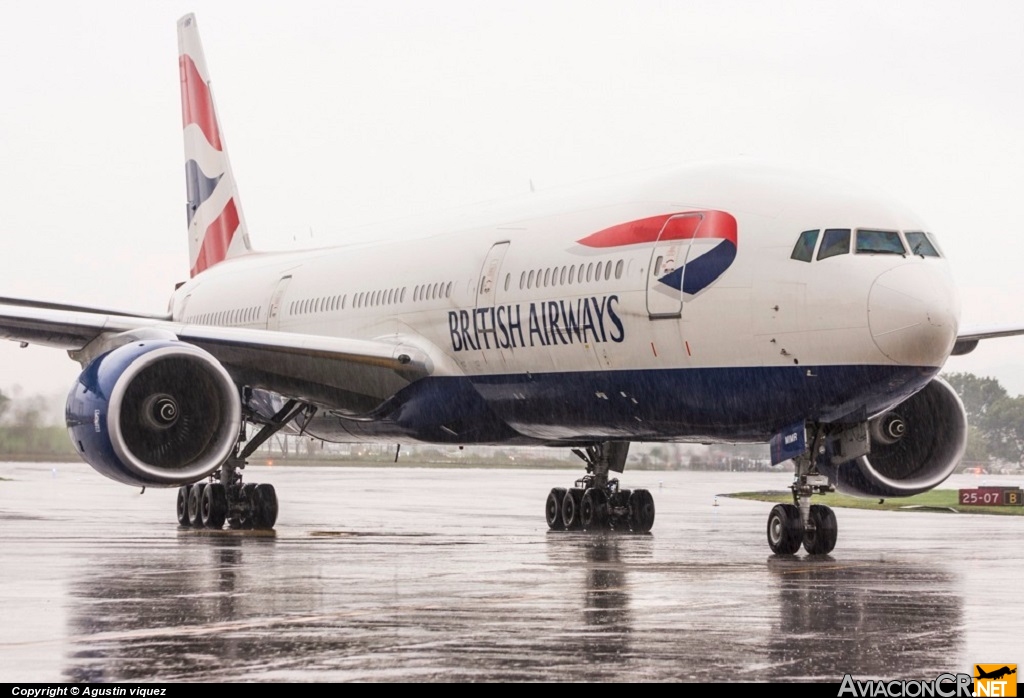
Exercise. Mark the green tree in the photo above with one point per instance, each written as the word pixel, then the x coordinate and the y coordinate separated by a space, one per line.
pixel 1006 429
pixel 978 395
pixel 978 448
pixel 983 398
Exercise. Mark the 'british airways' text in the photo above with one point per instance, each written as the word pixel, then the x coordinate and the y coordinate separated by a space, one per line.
pixel 543 323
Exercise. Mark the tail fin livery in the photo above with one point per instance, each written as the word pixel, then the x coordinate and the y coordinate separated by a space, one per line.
pixel 216 226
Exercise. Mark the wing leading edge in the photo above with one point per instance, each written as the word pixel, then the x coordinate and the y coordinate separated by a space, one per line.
pixel 352 376
pixel 968 337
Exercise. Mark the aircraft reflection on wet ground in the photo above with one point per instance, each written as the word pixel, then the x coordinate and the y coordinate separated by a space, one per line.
pixel 419 574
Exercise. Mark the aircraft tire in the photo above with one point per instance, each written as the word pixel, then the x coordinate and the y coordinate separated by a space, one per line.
pixel 571 508
pixel 182 505
pixel 264 506
pixel 618 516
pixel 242 519
pixel 214 505
pixel 594 510
pixel 641 511
pixel 553 509
pixel 195 504
pixel 822 539
pixel 785 531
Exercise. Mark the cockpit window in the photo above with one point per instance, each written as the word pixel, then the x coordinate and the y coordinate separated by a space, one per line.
pixel 836 241
pixel 879 242
pixel 804 250
pixel 922 245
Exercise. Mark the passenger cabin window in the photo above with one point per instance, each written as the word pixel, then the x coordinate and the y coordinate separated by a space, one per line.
pixel 804 250
pixel 879 242
pixel 921 244
pixel 836 241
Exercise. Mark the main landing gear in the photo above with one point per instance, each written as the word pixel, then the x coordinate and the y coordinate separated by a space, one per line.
pixel 225 498
pixel 812 525
pixel 597 503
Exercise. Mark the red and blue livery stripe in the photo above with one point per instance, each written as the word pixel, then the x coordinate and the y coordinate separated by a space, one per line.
pixel 701 269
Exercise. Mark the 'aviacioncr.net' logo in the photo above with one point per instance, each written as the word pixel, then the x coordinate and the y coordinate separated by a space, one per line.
pixel 995 680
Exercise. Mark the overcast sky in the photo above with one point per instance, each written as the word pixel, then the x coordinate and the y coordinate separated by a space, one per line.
pixel 338 114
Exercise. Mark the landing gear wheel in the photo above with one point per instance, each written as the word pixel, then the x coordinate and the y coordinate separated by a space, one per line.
pixel 195 505
pixel 785 531
pixel 594 510
pixel 553 509
pixel 264 506
pixel 641 511
pixel 822 539
pixel 618 510
pixel 183 506
pixel 243 517
pixel 571 508
pixel 214 506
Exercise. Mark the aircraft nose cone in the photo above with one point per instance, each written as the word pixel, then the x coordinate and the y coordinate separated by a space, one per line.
pixel 914 313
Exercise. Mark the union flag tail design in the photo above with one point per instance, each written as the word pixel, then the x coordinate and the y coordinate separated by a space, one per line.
pixel 216 226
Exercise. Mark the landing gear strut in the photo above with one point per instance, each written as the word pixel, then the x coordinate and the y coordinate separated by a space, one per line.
pixel 596 503
pixel 225 497
pixel 812 525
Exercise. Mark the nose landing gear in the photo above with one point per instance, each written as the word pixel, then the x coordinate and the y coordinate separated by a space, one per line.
pixel 802 523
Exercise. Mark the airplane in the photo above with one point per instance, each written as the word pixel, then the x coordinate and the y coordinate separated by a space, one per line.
pixel 995 674
pixel 710 303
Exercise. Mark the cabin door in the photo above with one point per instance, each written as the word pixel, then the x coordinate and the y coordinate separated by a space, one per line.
pixel 274 307
pixel 668 265
pixel 487 290
pixel 489 287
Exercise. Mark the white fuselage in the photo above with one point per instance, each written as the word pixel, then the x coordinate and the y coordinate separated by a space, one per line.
pixel 520 295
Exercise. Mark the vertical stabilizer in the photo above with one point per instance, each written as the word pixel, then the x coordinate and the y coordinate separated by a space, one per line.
pixel 216 226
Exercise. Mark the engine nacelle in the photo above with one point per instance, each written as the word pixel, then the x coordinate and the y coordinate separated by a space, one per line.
pixel 158 413
pixel 914 447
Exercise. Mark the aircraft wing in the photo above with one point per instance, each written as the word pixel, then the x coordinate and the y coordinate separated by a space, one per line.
pixel 353 376
pixel 968 337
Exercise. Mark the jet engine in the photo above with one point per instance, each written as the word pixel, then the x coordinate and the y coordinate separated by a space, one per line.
pixel 914 447
pixel 157 413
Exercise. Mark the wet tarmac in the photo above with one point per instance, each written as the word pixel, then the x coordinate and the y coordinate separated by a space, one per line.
pixel 451 575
